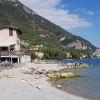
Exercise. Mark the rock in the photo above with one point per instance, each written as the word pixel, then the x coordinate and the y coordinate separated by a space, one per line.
pixel 23 81
pixel 34 69
pixel 40 72
pixel 43 70
pixel 51 75
pixel 66 75
pixel 27 71
pixel 57 74
pixel 37 77
pixel 59 86
pixel 60 75
pixel 51 72
pixel 39 87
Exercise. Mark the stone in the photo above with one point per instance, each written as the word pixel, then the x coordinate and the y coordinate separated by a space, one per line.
pixel 33 69
pixel 37 77
pixel 39 87
pixel 50 72
pixel 66 75
pixel 59 86
pixel 27 71
pixel 51 75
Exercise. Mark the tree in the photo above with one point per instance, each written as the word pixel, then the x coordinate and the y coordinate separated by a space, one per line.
pixel 33 56
pixel 54 54
pixel 76 54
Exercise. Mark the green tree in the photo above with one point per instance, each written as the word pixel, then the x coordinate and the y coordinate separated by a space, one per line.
pixel 33 56
pixel 75 54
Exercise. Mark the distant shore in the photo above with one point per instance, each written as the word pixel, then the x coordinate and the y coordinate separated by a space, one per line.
pixel 16 84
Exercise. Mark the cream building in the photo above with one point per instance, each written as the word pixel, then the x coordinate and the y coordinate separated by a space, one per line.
pixel 9 38
pixel 10 45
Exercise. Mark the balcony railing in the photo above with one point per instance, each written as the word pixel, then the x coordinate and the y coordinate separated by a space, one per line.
pixel 15 53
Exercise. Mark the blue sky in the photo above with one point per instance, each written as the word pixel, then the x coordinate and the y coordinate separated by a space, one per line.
pixel 90 10
pixel 81 17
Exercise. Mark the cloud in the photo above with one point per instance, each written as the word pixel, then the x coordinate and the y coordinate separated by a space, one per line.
pixel 84 11
pixel 90 13
pixel 61 17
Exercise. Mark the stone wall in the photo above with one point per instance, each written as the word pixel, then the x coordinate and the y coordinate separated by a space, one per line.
pixel 25 58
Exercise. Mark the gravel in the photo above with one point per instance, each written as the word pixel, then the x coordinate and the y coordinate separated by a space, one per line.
pixel 19 86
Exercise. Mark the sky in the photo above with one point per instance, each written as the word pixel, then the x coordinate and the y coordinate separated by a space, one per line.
pixel 80 17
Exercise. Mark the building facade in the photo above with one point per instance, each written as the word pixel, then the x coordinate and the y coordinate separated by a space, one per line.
pixel 9 38
pixel 10 48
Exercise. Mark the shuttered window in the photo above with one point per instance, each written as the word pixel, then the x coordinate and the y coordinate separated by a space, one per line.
pixel 10 32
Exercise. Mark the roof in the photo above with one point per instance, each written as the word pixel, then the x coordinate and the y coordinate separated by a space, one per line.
pixel 12 27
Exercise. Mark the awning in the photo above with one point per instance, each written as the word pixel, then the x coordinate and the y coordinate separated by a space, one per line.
pixel 6 44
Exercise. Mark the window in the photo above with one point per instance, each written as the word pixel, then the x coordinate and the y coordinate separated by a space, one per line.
pixel 10 32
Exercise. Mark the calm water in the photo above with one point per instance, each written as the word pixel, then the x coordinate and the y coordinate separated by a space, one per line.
pixel 86 86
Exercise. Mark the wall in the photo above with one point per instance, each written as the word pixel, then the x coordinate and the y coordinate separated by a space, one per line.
pixel 6 39
pixel 25 59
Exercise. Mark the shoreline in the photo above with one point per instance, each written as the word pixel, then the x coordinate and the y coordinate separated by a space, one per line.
pixel 36 87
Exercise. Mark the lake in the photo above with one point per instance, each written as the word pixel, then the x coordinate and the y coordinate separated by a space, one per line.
pixel 87 86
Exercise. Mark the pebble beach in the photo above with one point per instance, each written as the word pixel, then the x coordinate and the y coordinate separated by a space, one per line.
pixel 14 85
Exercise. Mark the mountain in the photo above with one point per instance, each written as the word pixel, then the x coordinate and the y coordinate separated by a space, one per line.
pixel 38 31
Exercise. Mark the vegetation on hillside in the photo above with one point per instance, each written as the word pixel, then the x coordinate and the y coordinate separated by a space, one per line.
pixel 39 31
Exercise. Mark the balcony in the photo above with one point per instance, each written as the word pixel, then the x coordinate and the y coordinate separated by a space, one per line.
pixel 13 53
